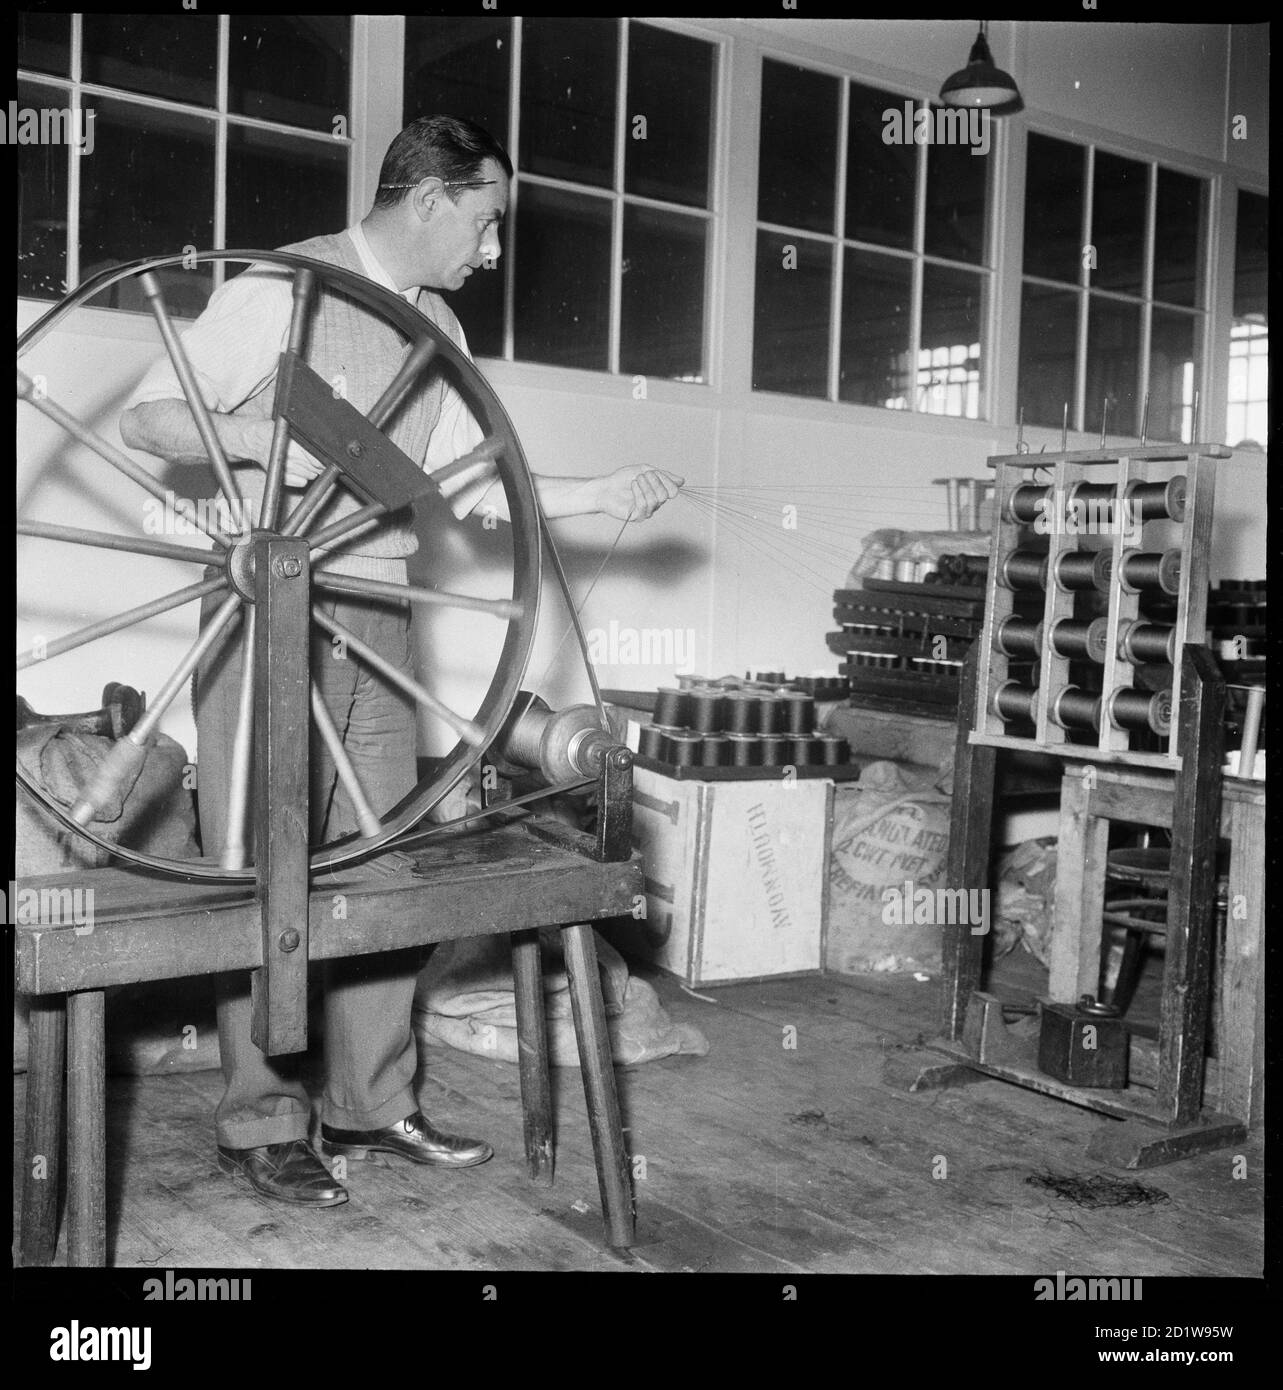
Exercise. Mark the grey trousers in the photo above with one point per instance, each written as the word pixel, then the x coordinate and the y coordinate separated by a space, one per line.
pixel 370 1054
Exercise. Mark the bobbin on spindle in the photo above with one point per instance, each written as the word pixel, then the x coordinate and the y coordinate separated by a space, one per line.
pixel 1137 709
pixel 1142 642
pixel 1012 701
pixel 1073 708
pixel 1148 569
pixel 1075 570
pixel 1024 569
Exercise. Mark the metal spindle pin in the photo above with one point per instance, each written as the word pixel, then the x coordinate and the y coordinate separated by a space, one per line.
pixel 1064 429
pixel 1104 416
pixel 1193 424
pixel 1021 446
pixel 1144 419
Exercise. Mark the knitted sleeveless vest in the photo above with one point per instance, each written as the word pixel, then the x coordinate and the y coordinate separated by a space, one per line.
pixel 358 352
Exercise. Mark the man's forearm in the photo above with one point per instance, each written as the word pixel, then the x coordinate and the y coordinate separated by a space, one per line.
pixel 167 428
pixel 557 496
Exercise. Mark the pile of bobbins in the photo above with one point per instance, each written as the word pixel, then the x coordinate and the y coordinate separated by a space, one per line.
pixel 760 725
pixel 1079 544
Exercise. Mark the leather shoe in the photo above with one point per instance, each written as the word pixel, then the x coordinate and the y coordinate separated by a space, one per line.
pixel 288 1172
pixel 413 1138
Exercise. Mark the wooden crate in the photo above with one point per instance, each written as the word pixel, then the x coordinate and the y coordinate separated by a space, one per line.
pixel 735 877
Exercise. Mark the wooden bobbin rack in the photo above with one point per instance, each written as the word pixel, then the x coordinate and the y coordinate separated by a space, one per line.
pixel 1097 530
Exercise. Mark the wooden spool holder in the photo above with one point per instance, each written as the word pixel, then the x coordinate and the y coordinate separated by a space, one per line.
pixel 1179 788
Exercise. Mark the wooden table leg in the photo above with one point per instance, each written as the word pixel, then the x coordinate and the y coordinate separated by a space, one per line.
pixel 532 1058
pixel 86 1130
pixel 597 1065
pixel 46 1068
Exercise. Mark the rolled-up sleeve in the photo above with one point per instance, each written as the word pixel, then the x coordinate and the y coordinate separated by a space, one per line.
pixel 458 433
pixel 233 348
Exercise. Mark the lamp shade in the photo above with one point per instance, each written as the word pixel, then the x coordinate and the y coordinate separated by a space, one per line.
pixel 981 83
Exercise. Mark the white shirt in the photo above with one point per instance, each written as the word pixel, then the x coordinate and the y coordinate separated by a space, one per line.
pixel 234 350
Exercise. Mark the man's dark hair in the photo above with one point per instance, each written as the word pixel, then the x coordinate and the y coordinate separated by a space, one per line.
pixel 443 147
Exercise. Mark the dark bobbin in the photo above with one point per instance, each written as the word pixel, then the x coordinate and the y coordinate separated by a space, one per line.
pixel 1076 709
pixel 1084 569
pixel 1137 709
pixel 1148 569
pixel 1013 701
pixel 1139 642
pixel 1081 641
pixel 1024 569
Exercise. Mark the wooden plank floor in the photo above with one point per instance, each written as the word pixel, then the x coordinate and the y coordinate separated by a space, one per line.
pixel 781 1150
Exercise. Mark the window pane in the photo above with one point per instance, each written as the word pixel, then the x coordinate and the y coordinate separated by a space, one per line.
pixel 281 188
pixel 670 84
pixel 1119 191
pixel 292 69
pixel 1173 370
pixel 1251 255
pixel 147 190
pixel 791 315
pixel 162 55
pixel 879 177
pixel 797 163
pixel 42 204
pixel 1178 238
pixel 662 310
pixel 459 67
pixel 876 306
pixel 44 42
pixel 1054 183
pixel 957 178
pixel 479 305
pixel 1113 362
pixel 1048 343
pixel 568 85
pixel 948 378
pixel 563 279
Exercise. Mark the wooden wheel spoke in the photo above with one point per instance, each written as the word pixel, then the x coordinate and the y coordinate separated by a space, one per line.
pixel 187 379
pixel 234 855
pixel 123 763
pixel 319 491
pixel 472 462
pixel 105 540
pixel 82 434
pixel 123 620
pixel 360 520
pixel 333 740
pixel 417 361
pixel 304 284
pixel 468 731
pixel 505 608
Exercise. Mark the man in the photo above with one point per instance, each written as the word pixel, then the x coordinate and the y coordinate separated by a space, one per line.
pixel 443 192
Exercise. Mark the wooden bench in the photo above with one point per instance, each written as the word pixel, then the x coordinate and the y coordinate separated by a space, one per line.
pixel 507 881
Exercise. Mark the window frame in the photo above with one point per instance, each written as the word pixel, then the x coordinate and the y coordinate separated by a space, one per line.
pixel 713 215
pixel 987 270
pixel 72 91
pixel 1085 292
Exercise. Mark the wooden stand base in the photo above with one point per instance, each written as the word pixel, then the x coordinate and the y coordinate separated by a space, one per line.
pixel 990 1049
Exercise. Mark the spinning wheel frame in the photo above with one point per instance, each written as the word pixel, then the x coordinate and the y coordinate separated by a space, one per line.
pixel 431 350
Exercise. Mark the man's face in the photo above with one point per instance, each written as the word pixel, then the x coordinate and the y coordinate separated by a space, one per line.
pixel 462 229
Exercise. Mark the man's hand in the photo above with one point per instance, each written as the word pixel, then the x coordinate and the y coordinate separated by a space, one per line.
pixel 166 428
pixel 300 466
pixel 636 492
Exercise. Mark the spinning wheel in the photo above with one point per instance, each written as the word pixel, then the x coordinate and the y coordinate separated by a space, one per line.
pixel 282 546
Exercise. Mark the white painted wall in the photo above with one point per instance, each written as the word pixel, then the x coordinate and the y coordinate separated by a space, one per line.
pixel 762 602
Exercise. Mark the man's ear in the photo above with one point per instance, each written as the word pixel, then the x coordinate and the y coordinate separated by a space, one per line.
pixel 428 195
